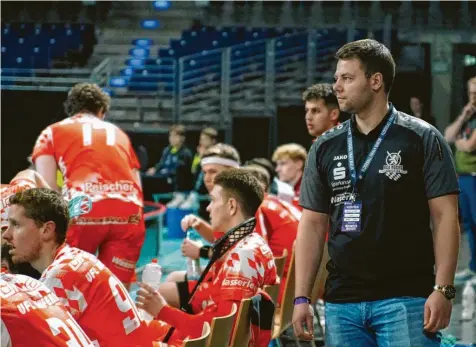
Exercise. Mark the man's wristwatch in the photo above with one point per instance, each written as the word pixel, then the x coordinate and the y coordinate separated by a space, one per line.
pixel 447 290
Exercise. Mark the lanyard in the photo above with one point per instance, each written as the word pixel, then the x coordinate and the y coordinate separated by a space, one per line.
pixel 350 152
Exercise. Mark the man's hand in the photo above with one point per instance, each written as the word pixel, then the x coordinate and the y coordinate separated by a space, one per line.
pixel 191 249
pixel 437 312
pixel 190 221
pixel 468 111
pixel 151 171
pixel 149 300
pixel 303 314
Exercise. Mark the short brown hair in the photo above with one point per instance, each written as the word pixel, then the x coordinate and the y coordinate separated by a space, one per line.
pixel 86 97
pixel 322 91
pixel 374 57
pixel 243 187
pixel 259 172
pixel 44 205
pixel 222 150
pixel 179 129
pixel 292 150
pixel 212 133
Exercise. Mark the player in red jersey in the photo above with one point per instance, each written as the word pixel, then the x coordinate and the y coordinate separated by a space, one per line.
pixel 290 159
pixel 241 261
pixel 101 180
pixel 33 315
pixel 25 179
pixel 276 221
pixel 38 219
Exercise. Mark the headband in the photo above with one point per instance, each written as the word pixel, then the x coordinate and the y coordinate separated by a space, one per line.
pixel 220 161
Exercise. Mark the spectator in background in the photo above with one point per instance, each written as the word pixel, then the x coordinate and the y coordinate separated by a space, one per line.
pixel 463 134
pixel 275 183
pixel 419 110
pixel 208 137
pixel 322 109
pixel 173 169
pixel 290 159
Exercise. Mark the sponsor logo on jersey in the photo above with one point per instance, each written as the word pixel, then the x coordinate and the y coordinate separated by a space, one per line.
pixel 79 205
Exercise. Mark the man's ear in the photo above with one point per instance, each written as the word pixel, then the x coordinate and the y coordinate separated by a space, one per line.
pixel 48 231
pixel 232 206
pixel 376 81
pixel 334 115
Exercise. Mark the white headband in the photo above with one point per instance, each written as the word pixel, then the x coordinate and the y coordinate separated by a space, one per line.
pixel 220 161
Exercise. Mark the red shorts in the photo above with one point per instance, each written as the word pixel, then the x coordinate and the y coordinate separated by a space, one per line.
pixel 116 230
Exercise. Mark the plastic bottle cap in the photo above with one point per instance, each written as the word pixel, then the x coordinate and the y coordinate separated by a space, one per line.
pixel 154 261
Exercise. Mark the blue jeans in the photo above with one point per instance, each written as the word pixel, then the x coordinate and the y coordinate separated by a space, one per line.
pixel 396 322
pixel 467 204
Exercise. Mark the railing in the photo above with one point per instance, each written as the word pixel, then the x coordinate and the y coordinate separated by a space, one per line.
pixel 43 79
pixel 207 87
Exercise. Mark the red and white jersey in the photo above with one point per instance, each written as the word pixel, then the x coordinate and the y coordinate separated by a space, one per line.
pixel 97 299
pixel 33 315
pixel 297 193
pixel 7 190
pixel 248 266
pixel 277 223
pixel 238 274
pixel 95 157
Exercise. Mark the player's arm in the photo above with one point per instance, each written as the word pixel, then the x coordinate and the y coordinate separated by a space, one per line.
pixel 5 336
pixel 467 145
pixel 453 130
pixel 47 168
pixel 137 179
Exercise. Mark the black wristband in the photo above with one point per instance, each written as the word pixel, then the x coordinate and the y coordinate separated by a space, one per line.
pixel 204 250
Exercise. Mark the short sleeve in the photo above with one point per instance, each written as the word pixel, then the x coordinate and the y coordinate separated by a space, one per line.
pixel 134 161
pixel 44 144
pixel 314 194
pixel 439 172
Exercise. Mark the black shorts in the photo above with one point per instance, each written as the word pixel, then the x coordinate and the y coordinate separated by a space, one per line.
pixel 184 295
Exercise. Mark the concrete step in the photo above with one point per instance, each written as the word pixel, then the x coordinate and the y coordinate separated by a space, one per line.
pixel 126 36
pixel 134 22
pixel 121 49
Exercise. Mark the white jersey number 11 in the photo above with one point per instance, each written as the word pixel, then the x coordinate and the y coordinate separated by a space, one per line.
pixel 88 129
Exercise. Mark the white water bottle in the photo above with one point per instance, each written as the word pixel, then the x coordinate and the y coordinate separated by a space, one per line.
pixel 468 302
pixel 151 275
pixel 193 265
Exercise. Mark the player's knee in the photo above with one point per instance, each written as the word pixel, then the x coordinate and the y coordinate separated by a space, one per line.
pixel 176 276
pixel 169 292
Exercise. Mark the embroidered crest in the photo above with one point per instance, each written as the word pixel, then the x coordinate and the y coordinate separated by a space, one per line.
pixel 393 168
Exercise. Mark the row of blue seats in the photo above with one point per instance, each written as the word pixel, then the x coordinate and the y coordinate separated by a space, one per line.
pixel 32 45
pixel 146 74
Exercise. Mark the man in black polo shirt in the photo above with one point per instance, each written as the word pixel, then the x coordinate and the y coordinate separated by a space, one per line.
pixel 377 179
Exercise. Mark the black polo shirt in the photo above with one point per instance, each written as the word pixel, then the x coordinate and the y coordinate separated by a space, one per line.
pixel 393 254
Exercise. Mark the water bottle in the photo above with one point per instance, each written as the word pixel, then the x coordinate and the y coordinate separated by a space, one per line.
pixel 468 302
pixel 151 275
pixel 193 265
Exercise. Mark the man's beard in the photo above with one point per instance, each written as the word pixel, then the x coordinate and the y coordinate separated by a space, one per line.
pixel 18 268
